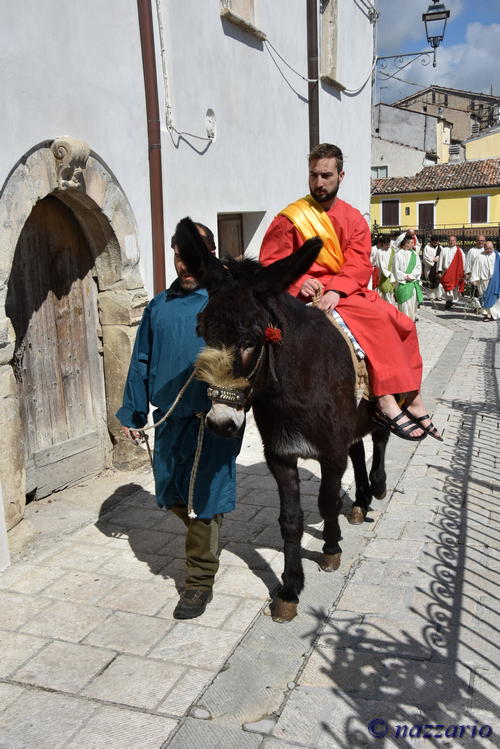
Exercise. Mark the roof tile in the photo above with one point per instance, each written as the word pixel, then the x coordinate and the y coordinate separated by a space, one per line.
pixel 456 176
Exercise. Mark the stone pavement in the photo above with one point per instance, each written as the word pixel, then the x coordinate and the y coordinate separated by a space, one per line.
pixel 405 633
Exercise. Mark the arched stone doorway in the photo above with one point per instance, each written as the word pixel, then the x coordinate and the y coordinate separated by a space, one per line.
pixel 71 297
pixel 52 305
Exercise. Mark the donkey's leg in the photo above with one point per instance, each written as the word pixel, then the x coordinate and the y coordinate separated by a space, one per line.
pixel 291 519
pixel 378 478
pixel 330 505
pixel 363 493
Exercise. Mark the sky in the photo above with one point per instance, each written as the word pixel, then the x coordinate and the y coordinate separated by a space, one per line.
pixel 467 59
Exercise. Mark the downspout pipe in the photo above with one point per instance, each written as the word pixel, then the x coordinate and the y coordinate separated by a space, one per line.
pixel 313 71
pixel 154 142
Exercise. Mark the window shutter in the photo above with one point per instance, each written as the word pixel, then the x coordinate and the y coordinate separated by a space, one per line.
pixel 479 209
pixel 390 213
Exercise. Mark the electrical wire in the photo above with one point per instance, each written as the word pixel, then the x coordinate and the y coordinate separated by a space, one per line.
pixel 316 80
pixel 357 90
pixel 304 78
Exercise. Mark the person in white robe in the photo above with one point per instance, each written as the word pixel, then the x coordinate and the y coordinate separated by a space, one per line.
pixel 446 258
pixel 481 274
pixel 430 256
pixel 373 260
pixel 385 262
pixel 414 240
pixel 473 254
pixel 407 272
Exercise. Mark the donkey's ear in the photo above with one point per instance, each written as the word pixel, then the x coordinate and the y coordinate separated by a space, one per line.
pixel 205 267
pixel 277 277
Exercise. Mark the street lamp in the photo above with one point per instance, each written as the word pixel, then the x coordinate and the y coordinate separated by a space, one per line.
pixel 435 24
pixel 435 20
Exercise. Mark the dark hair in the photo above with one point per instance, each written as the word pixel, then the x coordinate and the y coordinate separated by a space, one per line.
pixel 385 238
pixel 208 238
pixel 435 238
pixel 327 151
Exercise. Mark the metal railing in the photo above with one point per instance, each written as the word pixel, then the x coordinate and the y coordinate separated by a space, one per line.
pixel 466 234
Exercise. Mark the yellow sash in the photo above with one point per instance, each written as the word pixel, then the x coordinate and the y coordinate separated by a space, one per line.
pixel 311 220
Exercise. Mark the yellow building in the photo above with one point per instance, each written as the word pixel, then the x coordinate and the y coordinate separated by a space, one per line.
pixel 458 197
pixel 484 145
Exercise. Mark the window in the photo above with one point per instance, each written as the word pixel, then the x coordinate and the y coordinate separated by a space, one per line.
pixel 445 99
pixel 433 97
pixel 390 213
pixel 242 14
pixel 479 209
pixel 379 172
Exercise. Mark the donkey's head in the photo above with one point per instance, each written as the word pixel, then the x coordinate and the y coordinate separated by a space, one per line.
pixel 236 323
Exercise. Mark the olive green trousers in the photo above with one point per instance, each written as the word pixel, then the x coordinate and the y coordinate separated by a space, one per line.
pixel 202 548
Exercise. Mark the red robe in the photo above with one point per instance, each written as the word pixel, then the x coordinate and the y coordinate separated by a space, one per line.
pixel 454 275
pixel 388 337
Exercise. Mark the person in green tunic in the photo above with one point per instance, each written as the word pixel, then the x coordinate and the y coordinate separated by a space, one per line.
pixel 407 272
pixel 165 349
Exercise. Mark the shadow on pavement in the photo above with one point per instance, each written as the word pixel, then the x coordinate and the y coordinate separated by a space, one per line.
pixel 439 668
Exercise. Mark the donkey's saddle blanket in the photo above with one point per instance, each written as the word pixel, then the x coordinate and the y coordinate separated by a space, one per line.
pixel 362 382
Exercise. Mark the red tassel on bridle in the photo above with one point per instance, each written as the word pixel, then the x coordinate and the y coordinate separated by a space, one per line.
pixel 273 334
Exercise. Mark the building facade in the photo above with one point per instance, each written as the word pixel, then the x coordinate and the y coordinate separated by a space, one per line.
pixel 484 145
pixel 462 108
pixel 461 198
pixel 80 241
pixel 404 141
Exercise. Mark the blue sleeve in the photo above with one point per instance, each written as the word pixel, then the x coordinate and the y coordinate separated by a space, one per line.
pixel 135 408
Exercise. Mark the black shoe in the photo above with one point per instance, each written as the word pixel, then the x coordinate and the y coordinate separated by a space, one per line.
pixel 192 603
pixel 448 304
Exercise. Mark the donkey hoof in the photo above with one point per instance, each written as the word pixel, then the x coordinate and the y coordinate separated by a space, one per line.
pixel 330 562
pixel 283 611
pixel 356 516
pixel 379 492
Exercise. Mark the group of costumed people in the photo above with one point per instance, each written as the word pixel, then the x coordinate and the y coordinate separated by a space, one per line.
pixel 167 346
pixel 399 269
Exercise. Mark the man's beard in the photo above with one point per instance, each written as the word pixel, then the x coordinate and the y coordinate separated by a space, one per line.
pixel 188 285
pixel 325 197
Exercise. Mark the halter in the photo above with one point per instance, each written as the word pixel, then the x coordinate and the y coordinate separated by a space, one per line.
pixel 234 396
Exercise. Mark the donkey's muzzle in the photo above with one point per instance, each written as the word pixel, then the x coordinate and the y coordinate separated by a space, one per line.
pixel 226 421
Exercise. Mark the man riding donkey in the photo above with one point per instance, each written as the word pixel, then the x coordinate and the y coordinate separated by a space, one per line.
pixel 340 275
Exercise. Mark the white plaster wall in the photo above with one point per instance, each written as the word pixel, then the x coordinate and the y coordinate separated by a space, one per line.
pixel 259 159
pixel 402 161
pixel 75 68
pixel 413 129
pixel 345 116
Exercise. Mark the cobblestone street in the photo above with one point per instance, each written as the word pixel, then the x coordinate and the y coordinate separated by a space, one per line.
pixel 406 632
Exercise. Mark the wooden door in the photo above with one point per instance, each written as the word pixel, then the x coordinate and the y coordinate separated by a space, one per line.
pixel 52 302
pixel 230 231
pixel 426 216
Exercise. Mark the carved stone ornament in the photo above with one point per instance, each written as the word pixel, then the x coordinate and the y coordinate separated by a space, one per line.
pixel 71 157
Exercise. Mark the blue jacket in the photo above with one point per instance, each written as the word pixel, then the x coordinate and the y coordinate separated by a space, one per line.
pixel 165 349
